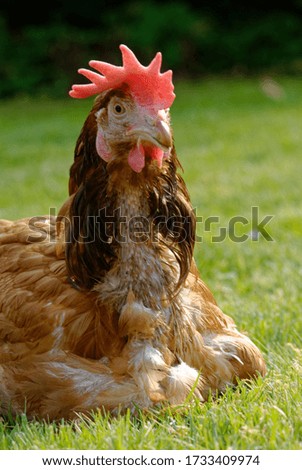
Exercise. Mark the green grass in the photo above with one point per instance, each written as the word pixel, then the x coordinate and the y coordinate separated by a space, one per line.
pixel 240 149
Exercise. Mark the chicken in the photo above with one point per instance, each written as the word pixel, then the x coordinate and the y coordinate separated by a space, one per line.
pixel 103 307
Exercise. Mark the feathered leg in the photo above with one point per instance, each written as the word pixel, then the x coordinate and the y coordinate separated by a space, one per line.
pixel 54 386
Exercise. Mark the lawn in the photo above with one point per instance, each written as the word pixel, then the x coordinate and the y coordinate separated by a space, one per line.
pixel 240 145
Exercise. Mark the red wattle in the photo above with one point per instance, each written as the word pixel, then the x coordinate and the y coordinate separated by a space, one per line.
pixel 136 158
pixel 157 154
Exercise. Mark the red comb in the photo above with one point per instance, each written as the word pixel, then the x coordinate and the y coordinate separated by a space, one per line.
pixel 149 86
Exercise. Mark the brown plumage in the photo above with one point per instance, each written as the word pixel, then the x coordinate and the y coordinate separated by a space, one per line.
pixel 103 307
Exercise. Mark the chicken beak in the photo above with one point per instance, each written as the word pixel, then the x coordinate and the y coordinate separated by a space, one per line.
pixel 155 131
pixel 162 134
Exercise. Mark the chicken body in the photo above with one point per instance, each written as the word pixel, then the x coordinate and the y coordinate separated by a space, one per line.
pixel 103 306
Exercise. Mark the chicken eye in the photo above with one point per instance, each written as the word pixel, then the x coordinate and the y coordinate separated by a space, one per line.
pixel 119 109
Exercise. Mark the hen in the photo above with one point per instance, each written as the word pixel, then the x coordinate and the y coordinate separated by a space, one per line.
pixel 103 307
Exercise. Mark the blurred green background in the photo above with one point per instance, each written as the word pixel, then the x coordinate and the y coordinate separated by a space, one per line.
pixel 42 45
pixel 239 140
